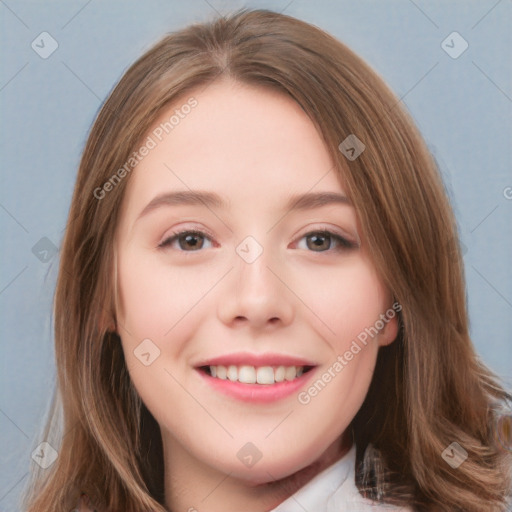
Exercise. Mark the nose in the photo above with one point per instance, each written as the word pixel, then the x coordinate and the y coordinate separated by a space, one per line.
pixel 256 295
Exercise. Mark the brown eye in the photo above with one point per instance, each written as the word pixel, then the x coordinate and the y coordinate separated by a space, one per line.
pixel 188 241
pixel 321 241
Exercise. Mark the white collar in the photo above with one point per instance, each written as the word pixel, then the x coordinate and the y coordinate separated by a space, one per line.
pixel 332 490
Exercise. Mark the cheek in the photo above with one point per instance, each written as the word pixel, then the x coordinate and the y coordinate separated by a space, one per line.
pixel 347 300
pixel 334 398
pixel 154 299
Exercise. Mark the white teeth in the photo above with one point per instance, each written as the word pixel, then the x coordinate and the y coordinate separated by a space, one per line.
pixel 279 373
pixel 290 373
pixel 221 372
pixel 232 372
pixel 265 375
pixel 247 374
pixel 251 375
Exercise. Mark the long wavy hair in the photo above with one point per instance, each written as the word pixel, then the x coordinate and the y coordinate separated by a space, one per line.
pixel 429 388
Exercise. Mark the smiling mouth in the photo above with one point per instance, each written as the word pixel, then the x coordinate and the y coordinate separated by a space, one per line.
pixel 247 374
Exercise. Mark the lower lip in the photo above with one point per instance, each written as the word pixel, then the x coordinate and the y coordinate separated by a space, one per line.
pixel 258 393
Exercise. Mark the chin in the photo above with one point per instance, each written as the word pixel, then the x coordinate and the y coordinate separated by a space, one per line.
pixel 268 469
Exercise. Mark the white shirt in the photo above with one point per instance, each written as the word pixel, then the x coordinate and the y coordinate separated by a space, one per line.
pixel 334 490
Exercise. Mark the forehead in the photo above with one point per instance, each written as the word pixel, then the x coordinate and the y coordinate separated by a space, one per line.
pixel 241 141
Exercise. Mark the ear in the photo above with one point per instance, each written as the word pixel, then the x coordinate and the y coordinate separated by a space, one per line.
pixel 390 331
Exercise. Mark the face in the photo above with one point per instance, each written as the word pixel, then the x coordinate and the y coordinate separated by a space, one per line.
pixel 242 312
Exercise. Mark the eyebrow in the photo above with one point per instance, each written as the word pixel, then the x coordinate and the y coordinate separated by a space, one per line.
pixel 298 202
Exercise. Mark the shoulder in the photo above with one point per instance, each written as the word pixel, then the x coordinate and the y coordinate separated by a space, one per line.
pixel 351 498
pixel 353 501
pixel 348 498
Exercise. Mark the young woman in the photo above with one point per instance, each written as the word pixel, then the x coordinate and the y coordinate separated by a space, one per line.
pixel 260 303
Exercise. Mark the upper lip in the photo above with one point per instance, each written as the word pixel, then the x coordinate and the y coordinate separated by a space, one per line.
pixel 257 360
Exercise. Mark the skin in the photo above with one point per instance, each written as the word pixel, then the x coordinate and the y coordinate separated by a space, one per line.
pixel 255 147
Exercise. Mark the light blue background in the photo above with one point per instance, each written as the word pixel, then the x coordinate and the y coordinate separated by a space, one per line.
pixel 462 106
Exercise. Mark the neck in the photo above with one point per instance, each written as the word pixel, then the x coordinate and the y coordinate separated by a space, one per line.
pixel 191 486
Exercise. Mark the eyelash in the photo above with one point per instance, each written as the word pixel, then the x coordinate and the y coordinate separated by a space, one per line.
pixel 343 243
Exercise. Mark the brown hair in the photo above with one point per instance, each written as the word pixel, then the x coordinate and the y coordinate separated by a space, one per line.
pixel 429 388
